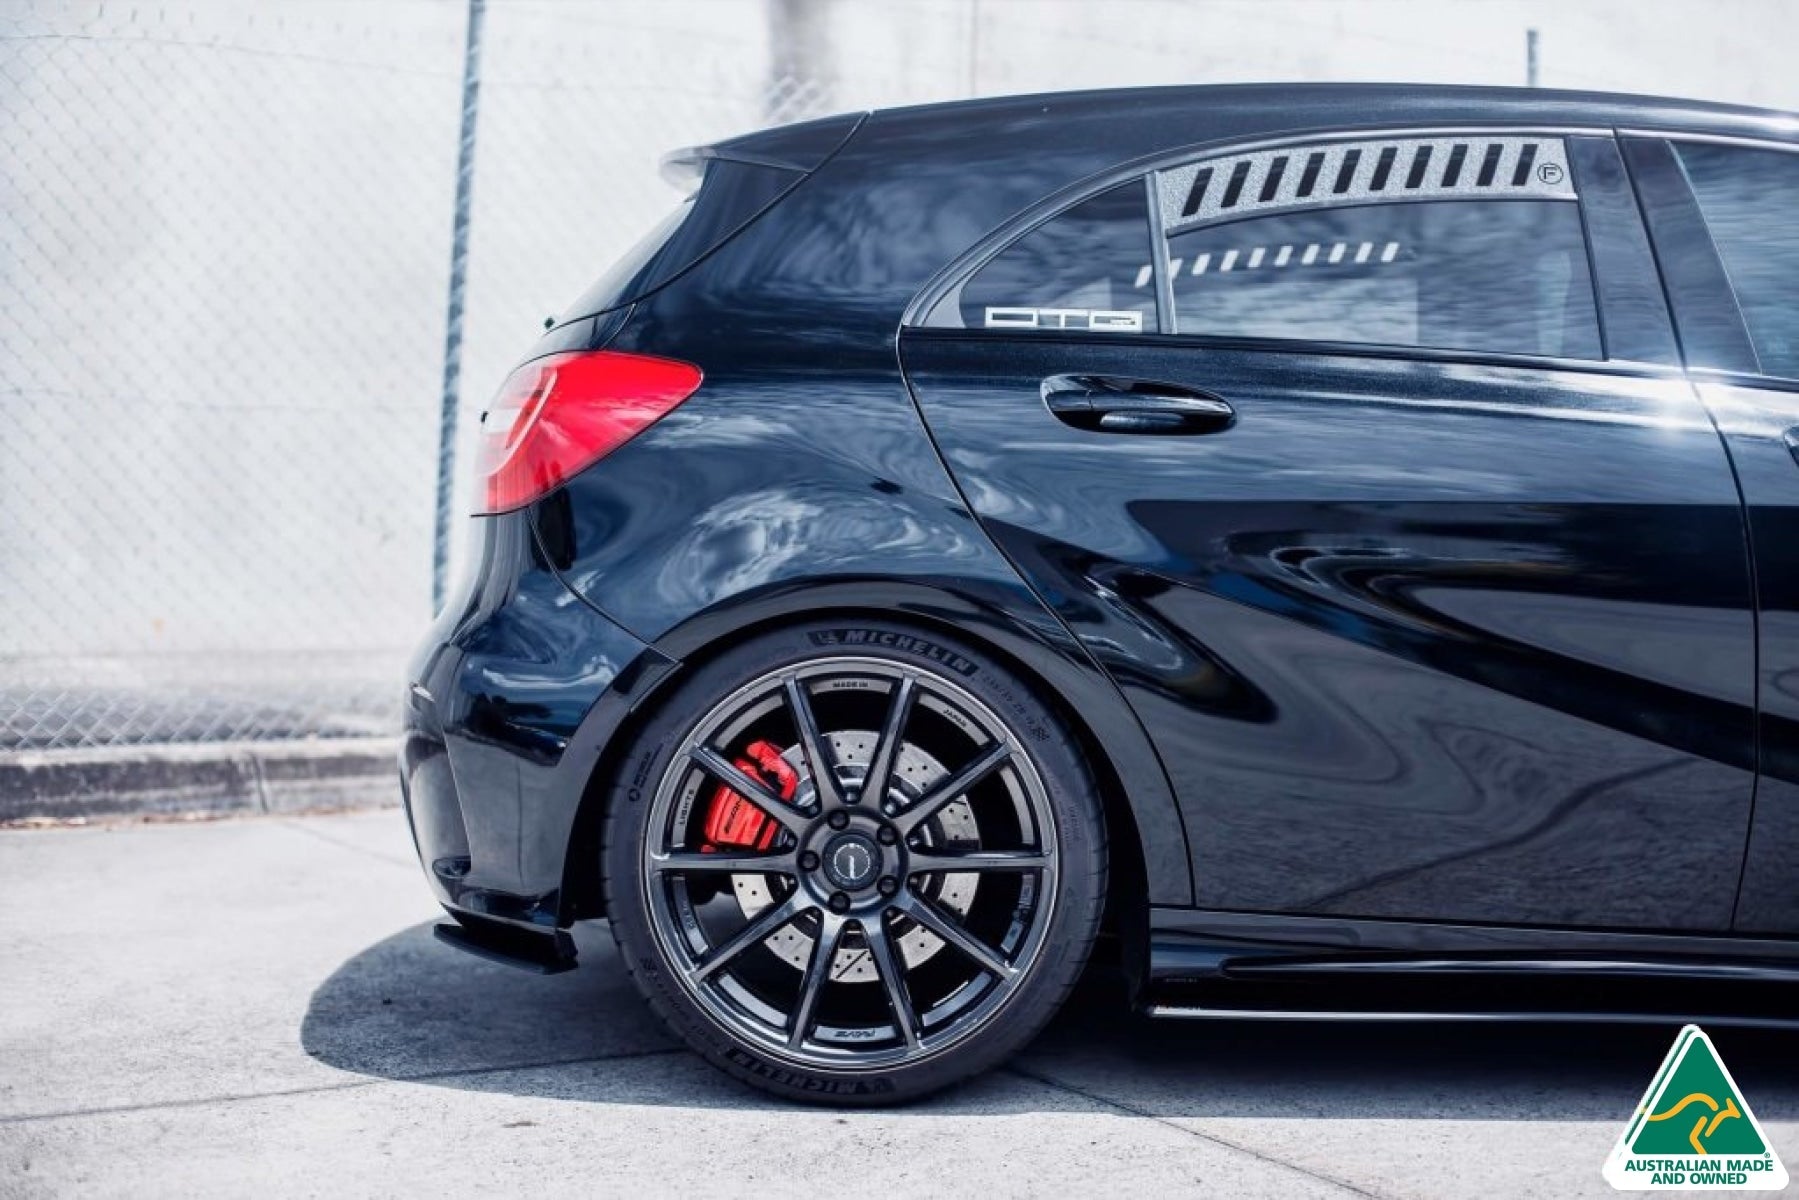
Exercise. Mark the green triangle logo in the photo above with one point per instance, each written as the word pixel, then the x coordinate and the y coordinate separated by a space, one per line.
pixel 1694 1130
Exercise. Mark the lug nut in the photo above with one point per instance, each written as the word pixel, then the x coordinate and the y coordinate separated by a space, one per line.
pixel 839 902
pixel 888 885
pixel 839 819
pixel 888 835
pixel 808 861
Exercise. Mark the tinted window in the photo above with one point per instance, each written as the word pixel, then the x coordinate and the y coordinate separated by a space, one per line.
pixel 1747 196
pixel 1498 275
pixel 1090 267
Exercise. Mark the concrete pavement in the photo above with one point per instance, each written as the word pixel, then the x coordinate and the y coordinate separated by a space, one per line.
pixel 257 1007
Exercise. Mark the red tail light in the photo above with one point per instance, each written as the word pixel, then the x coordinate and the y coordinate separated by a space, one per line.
pixel 559 415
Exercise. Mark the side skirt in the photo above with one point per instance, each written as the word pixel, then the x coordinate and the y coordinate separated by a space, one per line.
pixel 1207 964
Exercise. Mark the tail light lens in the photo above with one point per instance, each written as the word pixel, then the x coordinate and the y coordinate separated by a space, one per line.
pixel 558 415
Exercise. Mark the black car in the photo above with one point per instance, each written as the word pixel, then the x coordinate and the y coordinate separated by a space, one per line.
pixel 1339 545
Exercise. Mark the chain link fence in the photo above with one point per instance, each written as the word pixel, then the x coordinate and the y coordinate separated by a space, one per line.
pixel 225 247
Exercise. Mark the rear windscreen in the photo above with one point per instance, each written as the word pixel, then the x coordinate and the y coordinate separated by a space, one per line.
pixel 731 195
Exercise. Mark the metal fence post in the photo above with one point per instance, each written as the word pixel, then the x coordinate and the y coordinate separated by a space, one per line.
pixel 801 60
pixel 452 372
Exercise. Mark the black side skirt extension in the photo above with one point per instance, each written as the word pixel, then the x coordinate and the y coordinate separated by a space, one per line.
pixel 1262 966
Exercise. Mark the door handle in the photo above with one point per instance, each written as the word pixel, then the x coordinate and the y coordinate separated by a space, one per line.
pixel 1108 404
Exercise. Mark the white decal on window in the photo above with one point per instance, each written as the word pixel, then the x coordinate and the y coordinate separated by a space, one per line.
pixel 1109 320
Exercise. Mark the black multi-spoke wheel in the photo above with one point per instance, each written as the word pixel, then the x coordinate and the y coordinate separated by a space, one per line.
pixel 839 867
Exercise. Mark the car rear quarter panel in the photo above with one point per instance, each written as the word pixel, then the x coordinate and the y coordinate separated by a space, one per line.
pixel 514 693
pixel 800 480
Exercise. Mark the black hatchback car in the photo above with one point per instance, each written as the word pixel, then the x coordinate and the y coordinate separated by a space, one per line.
pixel 1338 544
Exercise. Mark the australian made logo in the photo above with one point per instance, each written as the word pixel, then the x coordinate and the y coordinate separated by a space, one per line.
pixel 1694 1130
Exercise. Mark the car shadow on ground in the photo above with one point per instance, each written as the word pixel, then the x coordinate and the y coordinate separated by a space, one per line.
pixel 410 1008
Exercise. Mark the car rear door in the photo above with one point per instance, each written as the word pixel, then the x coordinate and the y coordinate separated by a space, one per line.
pixel 1722 218
pixel 1429 587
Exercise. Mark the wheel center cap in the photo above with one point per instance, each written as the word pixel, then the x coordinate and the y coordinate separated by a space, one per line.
pixel 851 861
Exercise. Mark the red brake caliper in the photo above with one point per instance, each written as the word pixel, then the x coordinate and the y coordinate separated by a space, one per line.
pixel 733 822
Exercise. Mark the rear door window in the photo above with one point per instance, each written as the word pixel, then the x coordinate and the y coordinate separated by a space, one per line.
pixel 1473 242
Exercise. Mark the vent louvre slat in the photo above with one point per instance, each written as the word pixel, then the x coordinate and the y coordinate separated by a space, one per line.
pixel 1489 165
pixel 1234 188
pixel 1420 163
pixel 1271 186
pixel 1383 167
pixel 1196 195
pixel 1453 171
pixel 1521 173
pixel 1313 162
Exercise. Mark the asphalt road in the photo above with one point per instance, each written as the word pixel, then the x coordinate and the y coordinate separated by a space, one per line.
pixel 256 1007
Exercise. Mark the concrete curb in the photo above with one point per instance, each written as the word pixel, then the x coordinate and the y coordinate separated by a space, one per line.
pixel 212 779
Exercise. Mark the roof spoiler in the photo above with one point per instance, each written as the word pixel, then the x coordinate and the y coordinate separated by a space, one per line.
pixel 803 148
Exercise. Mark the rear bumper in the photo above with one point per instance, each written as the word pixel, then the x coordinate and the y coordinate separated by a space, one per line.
pixel 511 701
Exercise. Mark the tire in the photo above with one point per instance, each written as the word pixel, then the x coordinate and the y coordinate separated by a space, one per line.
pixel 766 910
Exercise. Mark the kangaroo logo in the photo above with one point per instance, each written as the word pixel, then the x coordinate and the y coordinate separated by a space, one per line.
pixel 1708 1124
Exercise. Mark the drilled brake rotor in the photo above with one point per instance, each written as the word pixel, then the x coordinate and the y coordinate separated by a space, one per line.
pixel 914 773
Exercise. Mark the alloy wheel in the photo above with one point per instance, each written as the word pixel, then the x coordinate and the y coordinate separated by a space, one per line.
pixel 897 887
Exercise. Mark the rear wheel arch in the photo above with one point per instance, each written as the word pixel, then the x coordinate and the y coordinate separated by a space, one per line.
pixel 1131 887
